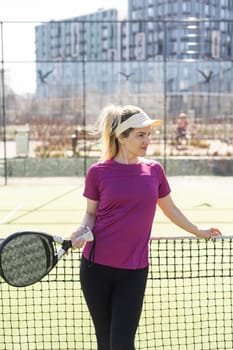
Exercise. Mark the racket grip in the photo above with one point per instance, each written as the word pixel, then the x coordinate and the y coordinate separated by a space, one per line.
pixel 87 236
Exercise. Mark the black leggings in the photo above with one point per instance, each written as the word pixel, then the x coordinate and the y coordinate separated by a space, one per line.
pixel 114 298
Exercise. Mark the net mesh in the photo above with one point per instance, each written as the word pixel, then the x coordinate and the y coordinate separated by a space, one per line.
pixel 188 303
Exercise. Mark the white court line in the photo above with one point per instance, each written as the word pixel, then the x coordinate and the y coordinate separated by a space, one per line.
pixel 11 214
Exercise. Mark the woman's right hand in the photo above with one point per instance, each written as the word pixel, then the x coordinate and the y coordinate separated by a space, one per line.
pixel 78 243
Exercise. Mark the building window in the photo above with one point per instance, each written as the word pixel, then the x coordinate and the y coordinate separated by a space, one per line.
pixel 150 12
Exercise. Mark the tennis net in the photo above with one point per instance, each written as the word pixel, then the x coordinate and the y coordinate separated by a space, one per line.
pixel 188 302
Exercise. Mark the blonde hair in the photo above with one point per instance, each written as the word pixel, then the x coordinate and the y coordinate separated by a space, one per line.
pixel 110 117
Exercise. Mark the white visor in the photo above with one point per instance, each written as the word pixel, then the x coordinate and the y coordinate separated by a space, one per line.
pixel 139 120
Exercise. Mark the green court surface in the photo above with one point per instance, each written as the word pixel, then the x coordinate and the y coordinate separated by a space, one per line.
pixel 56 205
pixel 188 301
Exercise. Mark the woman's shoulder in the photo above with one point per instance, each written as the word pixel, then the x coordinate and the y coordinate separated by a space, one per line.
pixel 155 166
pixel 151 162
pixel 100 165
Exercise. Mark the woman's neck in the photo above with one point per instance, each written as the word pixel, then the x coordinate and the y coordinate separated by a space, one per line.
pixel 120 158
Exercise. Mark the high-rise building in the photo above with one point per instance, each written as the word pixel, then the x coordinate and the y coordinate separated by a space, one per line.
pixel 180 29
pixel 193 40
pixel 63 46
pixel 181 49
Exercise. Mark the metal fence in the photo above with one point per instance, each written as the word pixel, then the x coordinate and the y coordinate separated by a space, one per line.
pixel 57 76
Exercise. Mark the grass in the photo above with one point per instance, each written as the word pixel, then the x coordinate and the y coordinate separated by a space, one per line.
pixel 181 311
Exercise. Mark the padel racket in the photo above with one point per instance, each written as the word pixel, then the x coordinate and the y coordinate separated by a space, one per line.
pixel 27 256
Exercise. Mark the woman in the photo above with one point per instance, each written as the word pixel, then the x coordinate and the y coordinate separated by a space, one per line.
pixel 122 192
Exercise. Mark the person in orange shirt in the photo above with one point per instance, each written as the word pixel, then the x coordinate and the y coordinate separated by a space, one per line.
pixel 182 124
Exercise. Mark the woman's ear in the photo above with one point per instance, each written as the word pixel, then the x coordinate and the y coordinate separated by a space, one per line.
pixel 120 139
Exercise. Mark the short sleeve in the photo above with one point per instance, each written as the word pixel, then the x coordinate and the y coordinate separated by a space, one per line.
pixel 164 187
pixel 91 189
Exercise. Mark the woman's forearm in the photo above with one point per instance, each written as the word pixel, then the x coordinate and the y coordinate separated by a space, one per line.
pixel 179 219
pixel 89 220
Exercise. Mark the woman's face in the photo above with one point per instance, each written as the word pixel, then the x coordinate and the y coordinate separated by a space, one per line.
pixel 136 144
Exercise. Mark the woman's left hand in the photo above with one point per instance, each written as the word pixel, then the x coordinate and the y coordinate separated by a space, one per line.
pixel 210 233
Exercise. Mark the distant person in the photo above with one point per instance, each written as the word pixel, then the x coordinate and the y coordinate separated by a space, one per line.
pixel 182 124
pixel 122 192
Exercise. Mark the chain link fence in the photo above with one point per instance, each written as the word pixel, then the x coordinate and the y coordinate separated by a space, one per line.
pixel 57 76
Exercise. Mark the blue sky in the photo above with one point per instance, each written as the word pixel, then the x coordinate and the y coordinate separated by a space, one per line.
pixel 45 10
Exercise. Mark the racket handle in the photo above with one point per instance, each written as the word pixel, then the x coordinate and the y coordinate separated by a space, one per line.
pixel 87 236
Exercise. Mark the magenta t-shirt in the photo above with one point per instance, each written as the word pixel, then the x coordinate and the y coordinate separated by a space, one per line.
pixel 127 196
